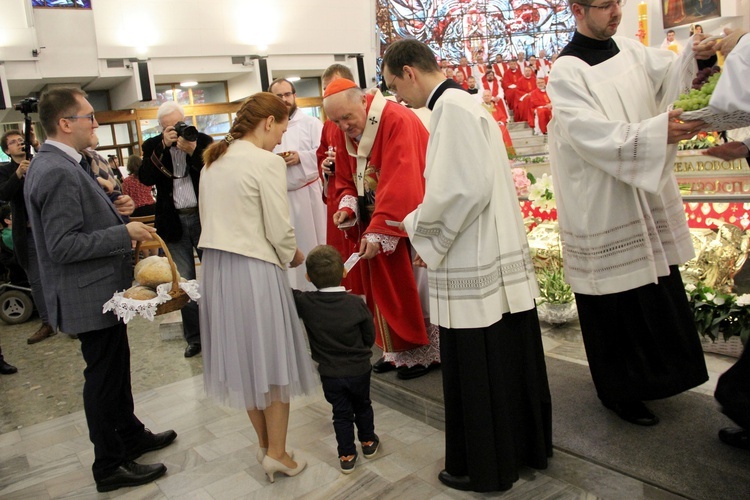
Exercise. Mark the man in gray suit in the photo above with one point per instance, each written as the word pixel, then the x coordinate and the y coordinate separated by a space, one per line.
pixel 85 252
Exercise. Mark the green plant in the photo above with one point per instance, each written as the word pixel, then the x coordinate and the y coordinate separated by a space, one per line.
pixel 528 159
pixel 716 312
pixel 552 286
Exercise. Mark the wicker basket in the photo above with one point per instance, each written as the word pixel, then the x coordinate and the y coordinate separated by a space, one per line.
pixel 179 296
pixel 732 347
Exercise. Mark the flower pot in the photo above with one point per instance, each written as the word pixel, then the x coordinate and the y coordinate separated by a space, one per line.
pixel 557 314
pixel 731 347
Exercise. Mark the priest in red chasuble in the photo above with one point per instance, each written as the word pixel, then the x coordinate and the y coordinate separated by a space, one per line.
pixel 497 110
pixel 524 86
pixel 380 171
pixel 541 107
pixel 512 73
pixel 326 166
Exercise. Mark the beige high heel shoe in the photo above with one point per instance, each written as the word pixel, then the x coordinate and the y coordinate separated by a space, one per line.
pixel 272 466
pixel 261 454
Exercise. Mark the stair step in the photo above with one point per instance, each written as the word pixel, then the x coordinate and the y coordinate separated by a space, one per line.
pixel 521 132
pixel 534 150
pixel 535 140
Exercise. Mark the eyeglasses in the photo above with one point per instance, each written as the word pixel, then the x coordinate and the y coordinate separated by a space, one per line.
pixel 391 87
pixel 20 142
pixel 607 6
pixel 285 95
pixel 75 117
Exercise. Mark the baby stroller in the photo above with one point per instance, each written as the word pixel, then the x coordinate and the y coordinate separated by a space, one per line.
pixel 16 304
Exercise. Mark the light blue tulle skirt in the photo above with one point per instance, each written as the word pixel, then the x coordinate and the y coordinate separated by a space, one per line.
pixel 253 344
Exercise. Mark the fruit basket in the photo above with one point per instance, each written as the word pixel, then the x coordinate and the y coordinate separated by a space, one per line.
pixel 696 104
pixel 718 121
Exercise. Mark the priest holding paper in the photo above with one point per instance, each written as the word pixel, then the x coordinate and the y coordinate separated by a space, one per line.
pixel 622 222
pixel 469 233
pixel 379 170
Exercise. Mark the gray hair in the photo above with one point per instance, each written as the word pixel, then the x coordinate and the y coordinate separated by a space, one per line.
pixel 168 108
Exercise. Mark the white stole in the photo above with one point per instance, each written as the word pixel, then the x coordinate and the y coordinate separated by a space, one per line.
pixel 362 151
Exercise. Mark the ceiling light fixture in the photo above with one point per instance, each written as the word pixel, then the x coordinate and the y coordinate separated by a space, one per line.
pixel 188 84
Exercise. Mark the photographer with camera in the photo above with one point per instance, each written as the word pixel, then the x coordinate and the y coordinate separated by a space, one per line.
pixel 172 161
pixel 12 178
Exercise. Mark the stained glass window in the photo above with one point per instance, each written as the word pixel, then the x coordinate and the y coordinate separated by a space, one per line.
pixel 477 29
pixel 63 4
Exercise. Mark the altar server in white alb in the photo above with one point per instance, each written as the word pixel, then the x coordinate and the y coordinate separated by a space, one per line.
pixel 469 232
pixel 622 222
pixel 298 149
pixel 731 95
pixel 732 92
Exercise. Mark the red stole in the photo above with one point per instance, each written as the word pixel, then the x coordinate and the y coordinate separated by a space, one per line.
pixel 466 70
pixel 493 87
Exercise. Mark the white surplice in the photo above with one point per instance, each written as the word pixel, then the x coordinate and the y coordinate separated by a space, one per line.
pixel 732 92
pixel 620 212
pixel 304 189
pixel 468 229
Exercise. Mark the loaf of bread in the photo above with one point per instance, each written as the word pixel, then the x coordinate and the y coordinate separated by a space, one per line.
pixel 153 271
pixel 139 292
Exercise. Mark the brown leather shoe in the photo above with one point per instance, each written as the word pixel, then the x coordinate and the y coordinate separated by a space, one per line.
pixel 44 332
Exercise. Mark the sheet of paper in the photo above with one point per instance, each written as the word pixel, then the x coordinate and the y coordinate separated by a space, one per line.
pixel 349 264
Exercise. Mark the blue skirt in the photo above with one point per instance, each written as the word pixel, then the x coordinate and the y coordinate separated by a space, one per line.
pixel 254 350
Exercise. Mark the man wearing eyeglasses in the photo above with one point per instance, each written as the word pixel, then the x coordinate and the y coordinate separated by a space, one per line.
pixel 622 222
pixel 303 186
pixel 173 164
pixel 85 255
pixel 12 178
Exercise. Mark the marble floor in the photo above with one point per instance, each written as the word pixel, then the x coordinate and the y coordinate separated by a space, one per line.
pixel 45 451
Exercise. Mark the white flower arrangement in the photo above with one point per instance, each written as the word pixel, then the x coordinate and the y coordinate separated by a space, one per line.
pixel 541 194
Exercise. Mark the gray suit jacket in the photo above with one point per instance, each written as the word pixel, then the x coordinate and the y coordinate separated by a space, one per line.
pixel 83 245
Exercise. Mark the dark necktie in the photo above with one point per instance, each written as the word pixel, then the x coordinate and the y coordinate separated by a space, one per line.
pixel 86 166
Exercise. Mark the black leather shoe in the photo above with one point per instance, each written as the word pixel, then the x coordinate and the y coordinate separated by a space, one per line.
pixel 406 373
pixel 462 483
pixel 130 474
pixel 381 366
pixel 733 436
pixel 634 412
pixel 192 349
pixel 150 442
pixel 7 369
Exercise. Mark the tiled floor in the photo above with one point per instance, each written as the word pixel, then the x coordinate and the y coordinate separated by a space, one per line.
pixel 45 451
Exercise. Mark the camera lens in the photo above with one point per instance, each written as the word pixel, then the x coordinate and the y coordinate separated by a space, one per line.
pixel 188 132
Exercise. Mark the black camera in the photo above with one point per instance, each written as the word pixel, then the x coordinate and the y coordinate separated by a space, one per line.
pixel 28 105
pixel 189 132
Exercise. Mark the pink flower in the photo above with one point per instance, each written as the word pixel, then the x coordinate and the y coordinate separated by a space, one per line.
pixel 521 181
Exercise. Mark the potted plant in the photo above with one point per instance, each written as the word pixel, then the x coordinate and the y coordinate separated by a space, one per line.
pixel 720 314
pixel 556 304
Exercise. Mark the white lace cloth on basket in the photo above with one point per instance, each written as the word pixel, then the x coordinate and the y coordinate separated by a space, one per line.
pixel 127 309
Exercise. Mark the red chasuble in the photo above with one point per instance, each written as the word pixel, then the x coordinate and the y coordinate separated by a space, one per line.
pixel 524 86
pixel 538 101
pixel 395 171
pixel 509 86
pixel 498 113
pixel 335 236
